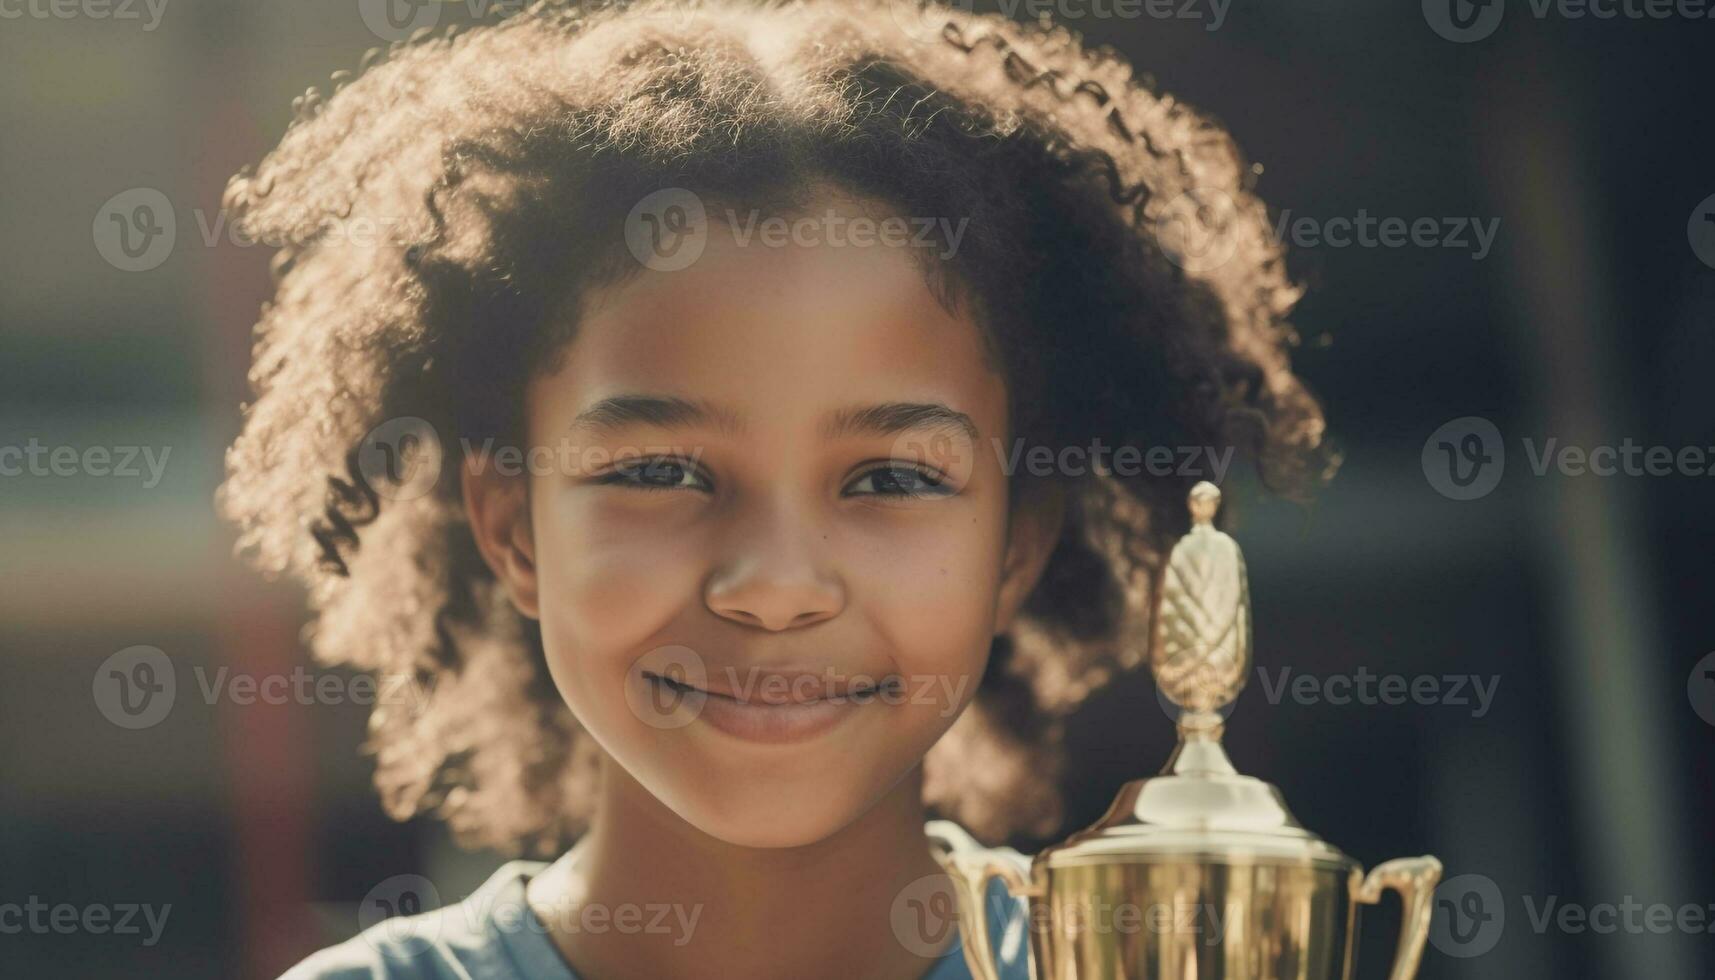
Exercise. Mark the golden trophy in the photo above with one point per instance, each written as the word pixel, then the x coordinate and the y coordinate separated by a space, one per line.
pixel 1198 873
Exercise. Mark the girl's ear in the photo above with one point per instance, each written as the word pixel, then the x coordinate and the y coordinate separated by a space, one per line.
pixel 498 508
pixel 1033 531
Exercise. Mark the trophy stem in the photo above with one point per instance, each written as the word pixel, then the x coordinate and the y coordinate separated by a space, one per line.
pixel 1199 751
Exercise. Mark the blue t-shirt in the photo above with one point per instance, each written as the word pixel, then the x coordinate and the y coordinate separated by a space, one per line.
pixel 493 935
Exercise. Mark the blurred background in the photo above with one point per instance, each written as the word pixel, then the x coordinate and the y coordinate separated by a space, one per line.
pixel 1547 289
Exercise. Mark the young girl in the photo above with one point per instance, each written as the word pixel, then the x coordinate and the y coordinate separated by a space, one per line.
pixel 759 434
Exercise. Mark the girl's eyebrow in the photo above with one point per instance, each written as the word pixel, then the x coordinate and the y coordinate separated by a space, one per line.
pixel 889 418
pixel 886 418
pixel 661 411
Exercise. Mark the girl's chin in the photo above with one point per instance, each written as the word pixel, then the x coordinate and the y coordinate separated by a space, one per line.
pixel 764 837
pixel 738 813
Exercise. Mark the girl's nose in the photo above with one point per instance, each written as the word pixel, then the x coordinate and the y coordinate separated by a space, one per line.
pixel 774 577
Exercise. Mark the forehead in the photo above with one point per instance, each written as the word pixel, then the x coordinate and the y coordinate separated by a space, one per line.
pixel 780 331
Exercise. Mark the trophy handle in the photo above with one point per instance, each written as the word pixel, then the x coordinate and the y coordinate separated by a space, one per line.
pixel 1415 880
pixel 971 866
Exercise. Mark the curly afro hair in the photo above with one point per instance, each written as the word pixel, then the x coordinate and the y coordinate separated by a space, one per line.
pixel 1117 260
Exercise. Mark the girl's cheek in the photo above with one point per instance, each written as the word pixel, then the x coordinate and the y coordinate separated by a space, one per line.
pixel 930 587
pixel 610 580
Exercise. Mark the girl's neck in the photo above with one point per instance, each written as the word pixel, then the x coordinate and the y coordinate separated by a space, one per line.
pixel 725 910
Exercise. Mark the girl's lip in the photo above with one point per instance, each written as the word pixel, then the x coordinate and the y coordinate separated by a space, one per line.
pixel 764 721
pixel 779 689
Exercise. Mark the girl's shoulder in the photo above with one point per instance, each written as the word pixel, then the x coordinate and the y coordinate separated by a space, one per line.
pixel 489 935
pixel 494 935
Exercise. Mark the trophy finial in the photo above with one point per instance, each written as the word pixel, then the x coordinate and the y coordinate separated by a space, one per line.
pixel 1202 643
pixel 1204 500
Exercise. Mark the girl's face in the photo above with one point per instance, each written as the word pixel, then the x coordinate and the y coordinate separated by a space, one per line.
pixel 766 532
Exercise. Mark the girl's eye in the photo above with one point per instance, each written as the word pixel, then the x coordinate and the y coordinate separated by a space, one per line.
pixel 900 480
pixel 658 473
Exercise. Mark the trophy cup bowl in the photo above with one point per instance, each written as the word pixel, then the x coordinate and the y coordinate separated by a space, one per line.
pixel 1199 873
